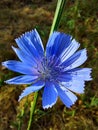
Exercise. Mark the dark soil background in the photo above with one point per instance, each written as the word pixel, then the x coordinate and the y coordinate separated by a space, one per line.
pixel 80 19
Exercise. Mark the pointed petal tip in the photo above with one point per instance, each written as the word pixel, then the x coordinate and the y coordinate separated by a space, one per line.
pixel 35 30
pixel 70 105
pixel 9 82
pixel 90 79
pixel 14 48
pixel 90 71
pixel 48 106
pixel 22 35
pixel 84 52
pixel 4 63
pixel 20 98
pixel 17 38
pixel 6 82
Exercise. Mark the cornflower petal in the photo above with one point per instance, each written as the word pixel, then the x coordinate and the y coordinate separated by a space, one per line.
pixel 25 58
pixel 23 79
pixel 75 85
pixel 19 67
pixel 75 79
pixel 77 74
pixel 69 51
pixel 30 43
pixel 57 43
pixel 81 73
pixel 75 60
pixel 33 88
pixel 38 42
pixel 49 95
pixel 34 37
pixel 66 96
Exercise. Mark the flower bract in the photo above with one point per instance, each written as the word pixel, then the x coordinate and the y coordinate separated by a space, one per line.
pixel 55 69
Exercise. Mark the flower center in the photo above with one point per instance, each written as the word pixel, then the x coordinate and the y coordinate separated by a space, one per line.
pixel 48 70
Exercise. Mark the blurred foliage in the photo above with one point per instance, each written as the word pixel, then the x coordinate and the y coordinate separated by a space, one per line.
pixel 79 19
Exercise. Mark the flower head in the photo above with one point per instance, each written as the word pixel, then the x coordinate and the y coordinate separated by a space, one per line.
pixel 54 69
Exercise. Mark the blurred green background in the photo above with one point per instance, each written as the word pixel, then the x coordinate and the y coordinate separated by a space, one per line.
pixel 80 19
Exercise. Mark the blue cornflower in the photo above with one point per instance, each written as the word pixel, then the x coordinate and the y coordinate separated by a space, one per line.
pixel 55 69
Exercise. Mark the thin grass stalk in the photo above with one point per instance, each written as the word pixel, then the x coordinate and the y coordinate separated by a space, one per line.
pixel 57 16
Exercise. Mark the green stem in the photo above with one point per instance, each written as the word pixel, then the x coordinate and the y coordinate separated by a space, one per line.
pixel 32 109
pixel 20 119
pixel 57 16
